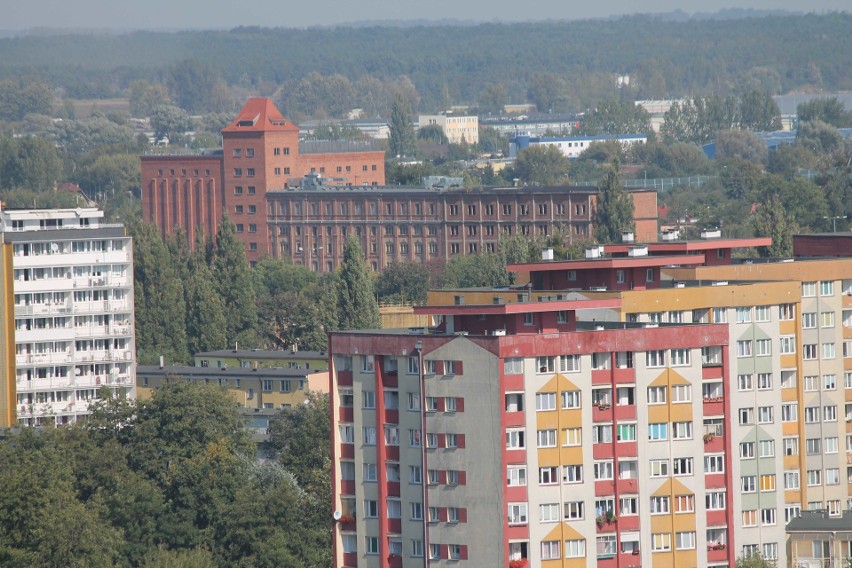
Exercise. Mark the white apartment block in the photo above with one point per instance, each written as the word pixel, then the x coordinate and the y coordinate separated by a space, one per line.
pixel 457 129
pixel 73 297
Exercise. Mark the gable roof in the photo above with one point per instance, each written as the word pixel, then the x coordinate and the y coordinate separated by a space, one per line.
pixel 259 114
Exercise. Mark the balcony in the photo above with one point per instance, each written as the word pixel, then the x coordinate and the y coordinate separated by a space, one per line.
pixel 602 412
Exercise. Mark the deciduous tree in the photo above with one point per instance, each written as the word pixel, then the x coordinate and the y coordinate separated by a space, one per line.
pixel 613 213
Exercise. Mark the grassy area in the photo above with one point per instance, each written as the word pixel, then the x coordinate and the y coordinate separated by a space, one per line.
pixel 85 107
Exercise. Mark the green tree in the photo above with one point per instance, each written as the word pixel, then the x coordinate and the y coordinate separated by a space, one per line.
pixel 405 281
pixel 613 213
pixel 613 117
pixel 754 561
pixel 20 98
pixel 771 220
pixel 192 83
pixel 145 97
pixel 159 299
pixel 299 437
pixel 170 121
pixel 432 133
pixel 475 271
pixel 401 142
pixel 491 141
pixel 742 144
pixel 162 557
pixel 541 165
pixel 829 110
pixel 548 92
pixel 29 163
pixel 356 302
pixel 234 283
pixel 493 98
pixel 759 112
pixel 205 315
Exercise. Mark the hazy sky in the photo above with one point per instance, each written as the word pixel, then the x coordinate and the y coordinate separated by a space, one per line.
pixel 183 14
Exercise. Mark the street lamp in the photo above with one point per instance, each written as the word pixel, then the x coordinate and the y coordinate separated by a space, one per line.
pixel 834 221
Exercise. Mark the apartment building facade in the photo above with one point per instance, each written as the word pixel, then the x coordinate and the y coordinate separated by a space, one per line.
pixel 310 226
pixel 73 311
pixel 458 129
pixel 586 429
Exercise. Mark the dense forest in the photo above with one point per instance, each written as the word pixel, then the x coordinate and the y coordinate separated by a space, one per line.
pixel 464 64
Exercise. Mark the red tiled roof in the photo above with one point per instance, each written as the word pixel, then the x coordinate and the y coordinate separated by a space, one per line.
pixel 260 114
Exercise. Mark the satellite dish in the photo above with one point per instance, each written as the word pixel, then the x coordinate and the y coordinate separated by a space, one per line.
pixel 336 515
pixel 54 247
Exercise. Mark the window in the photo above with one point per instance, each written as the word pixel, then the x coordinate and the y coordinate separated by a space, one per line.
pixel 601 433
pixel 372 544
pixel 546 438
pixel 655 358
pixel 761 313
pixel 545 364
pixel 826 319
pixel 829 413
pixel 767 482
pixel 766 448
pixel 809 351
pixel 791 446
pixel 517 514
pixel 573 436
pixel 745 382
pixel 808 289
pixel 656 395
pixel 662 542
pixel 831 445
pixel 548 512
pixel 369 436
pixel 809 320
pixel 659 505
pixel 627 432
pixel 548 475
pixel 715 500
pixel 572 474
pixel 629 506
pixel 791 479
pixel 770 551
pixel 743 315
pixel 720 315
pixel 814 477
pixel 575 548
pixel 787 344
pixel 764 415
pixel 434 549
pixel 744 348
pixel 370 472
pixel 682 466
pixel 746 416
pixel 681 430
pixel 684 503
pixel 658 431
pixel 828 351
pixel 680 357
pixel 414 439
pixel 746 450
pixel 767 517
pixel 371 509
pixel 603 470
pixel 570 399
pixel 811 414
pixel 826 288
pixel 750 518
pixel 515 439
pixel 811 383
pixel 714 463
pixel 516 476
pixel 659 468
pixel 414 401
pixel 514 402
pixel 550 550
pixel 681 393
pixel 685 540
pixel 573 510
pixel 786 311
pixel 763 347
pixel 748 483
pixel 513 366
pixel 545 401
pixel 606 546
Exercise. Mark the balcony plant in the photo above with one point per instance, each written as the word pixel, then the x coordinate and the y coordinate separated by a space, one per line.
pixel 611 517
pixel 347 519
pixel 600 521
pixel 708 438
pixel 520 563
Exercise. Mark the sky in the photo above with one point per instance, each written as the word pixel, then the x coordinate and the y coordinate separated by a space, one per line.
pixel 224 14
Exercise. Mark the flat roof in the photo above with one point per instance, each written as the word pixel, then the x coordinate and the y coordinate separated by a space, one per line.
pixel 519 307
pixel 816 521
pixel 187 371
pixel 263 354
pixel 684 245
pixel 610 262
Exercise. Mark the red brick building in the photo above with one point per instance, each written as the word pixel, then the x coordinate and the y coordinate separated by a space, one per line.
pixel 260 152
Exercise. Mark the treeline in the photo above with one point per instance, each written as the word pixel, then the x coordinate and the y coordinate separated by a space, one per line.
pixel 208 298
pixel 173 481
pixel 663 58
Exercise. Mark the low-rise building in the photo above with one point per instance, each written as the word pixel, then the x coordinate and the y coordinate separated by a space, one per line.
pixel 573 146
pixel 262 358
pixel 457 128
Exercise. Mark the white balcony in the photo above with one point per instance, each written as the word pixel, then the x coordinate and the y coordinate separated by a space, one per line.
pixel 41 335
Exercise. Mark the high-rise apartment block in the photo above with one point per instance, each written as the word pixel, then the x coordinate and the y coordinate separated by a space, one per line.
pixel 657 405
pixel 72 287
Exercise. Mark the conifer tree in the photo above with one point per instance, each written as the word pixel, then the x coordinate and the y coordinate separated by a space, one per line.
pixel 159 299
pixel 357 305
pixel 402 142
pixel 771 220
pixel 614 209
pixel 234 283
pixel 205 315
